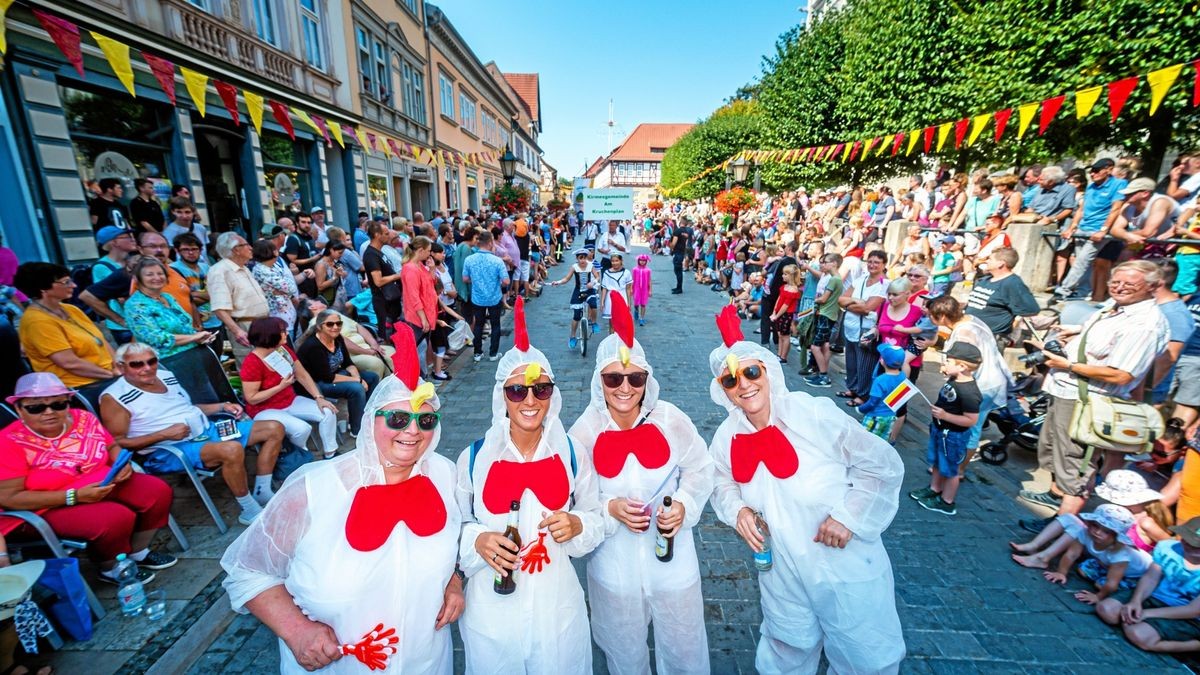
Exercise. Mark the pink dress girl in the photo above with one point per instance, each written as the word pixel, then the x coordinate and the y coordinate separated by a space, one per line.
pixel 641 288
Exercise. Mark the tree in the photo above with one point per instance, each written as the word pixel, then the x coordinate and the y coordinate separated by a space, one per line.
pixel 731 128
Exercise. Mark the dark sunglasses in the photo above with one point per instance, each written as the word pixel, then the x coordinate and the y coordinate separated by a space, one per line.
pixel 518 392
pixel 398 420
pixel 614 380
pixel 39 408
pixel 749 372
pixel 334 323
pixel 138 365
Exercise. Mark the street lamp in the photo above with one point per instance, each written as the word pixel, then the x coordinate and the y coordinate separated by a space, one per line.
pixel 740 169
pixel 508 165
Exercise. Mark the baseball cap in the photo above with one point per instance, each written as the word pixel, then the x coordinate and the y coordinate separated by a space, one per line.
pixel 110 232
pixel 1142 184
pixel 965 352
pixel 316 209
pixel 1189 532
pixel 1102 163
pixel 271 230
pixel 891 355
pixel 949 239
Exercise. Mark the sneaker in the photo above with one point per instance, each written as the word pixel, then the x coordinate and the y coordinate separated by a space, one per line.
pixel 1034 525
pixel 923 493
pixel 441 377
pixel 935 503
pixel 809 371
pixel 1041 498
pixel 595 329
pixel 158 561
pixel 641 322
pixel 795 342
pixel 143 575
pixel 494 357
pixel 243 519
pixel 818 380
pixel 573 343
pixel 477 358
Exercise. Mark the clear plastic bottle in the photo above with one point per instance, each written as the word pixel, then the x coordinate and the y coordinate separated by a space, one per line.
pixel 130 592
pixel 763 559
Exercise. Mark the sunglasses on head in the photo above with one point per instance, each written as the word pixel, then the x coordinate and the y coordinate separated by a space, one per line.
pixel 39 408
pixel 614 380
pixel 398 420
pixel 729 381
pixel 518 392
pixel 138 365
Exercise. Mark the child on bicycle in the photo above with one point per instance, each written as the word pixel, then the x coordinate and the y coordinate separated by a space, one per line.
pixel 587 280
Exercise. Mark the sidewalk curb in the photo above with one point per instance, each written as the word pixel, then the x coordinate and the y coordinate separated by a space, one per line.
pixel 196 640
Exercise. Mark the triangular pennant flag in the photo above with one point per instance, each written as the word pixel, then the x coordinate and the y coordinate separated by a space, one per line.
pixel 913 136
pixel 4 5
pixel 303 117
pixel 228 94
pixel 395 148
pixel 896 143
pixel 347 131
pixel 385 144
pixel 837 150
pixel 335 130
pixel 1118 93
pixel 1050 108
pixel 1025 115
pixel 929 131
pixel 1160 82
pixel 117 54
pixel 943 134
pixel 978 124
pixel 323 128
pixel 854 150
pixel 870 144
pixel 883 145
pixel 1085 100
pixel 1002 117
pixel 163 71
pixel 1196 86
pixel 373 141
pixel 960 132
pixel 362 139
pixel 254 106
pixel 282 116
pixel 65 36
pixel 197 86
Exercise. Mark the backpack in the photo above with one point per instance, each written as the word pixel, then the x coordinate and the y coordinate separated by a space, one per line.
pixel 81 276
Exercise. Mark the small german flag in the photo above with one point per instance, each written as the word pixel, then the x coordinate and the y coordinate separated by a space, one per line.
pixel 900 395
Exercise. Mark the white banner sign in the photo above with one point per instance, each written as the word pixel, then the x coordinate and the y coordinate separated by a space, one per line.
pixel 608 204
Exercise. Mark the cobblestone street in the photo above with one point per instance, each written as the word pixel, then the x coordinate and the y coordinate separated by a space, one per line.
pixel 964 605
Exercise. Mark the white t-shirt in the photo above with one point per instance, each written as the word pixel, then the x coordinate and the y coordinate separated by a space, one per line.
pixel 853 325
pixel 1139 561
pixel 612 280
pixel 1192 185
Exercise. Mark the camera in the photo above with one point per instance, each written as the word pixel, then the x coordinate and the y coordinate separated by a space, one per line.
pixel 1035 357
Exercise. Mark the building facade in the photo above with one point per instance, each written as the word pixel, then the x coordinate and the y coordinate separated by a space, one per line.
pixel 637 162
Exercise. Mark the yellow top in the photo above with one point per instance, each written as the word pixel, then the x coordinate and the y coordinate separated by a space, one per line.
pixel 1187 249
pixel 43 334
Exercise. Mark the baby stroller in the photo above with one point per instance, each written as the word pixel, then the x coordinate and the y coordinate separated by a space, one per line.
pixel 1019 419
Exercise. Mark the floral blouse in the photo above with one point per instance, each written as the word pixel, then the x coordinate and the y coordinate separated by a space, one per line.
pixel 157 322
pixel 280 288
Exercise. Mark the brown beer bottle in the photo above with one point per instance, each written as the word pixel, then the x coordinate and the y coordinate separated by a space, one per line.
pixel 664 546
pixel 505 585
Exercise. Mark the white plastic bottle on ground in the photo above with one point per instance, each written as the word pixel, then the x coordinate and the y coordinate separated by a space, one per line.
pixel 130 592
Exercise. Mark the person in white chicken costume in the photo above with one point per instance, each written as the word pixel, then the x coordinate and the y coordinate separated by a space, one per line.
pixel 643 449
pixel 827 488
pixel 527 458
pixel 352 563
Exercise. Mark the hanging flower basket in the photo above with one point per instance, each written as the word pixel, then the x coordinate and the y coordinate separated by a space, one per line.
pixel 557 204
pixel 654 205
pixel 735 200
pixel 509 199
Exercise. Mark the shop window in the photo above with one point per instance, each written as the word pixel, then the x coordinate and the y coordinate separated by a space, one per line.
pixel 288 177
pixel 377 193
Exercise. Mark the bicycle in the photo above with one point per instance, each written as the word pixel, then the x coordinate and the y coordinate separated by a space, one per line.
pixel 585 326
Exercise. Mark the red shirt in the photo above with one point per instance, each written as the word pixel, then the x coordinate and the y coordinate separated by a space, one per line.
pixel 254 370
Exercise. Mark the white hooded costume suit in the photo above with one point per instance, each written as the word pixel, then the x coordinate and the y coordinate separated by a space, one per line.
pixel 303 541
pixel 627 585
pixel 542 627
pixel 815 596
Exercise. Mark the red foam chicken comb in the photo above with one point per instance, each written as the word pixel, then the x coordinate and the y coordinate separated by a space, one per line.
pixel 730 325
pixel 520 332
pixel 622 320
pixel 405 361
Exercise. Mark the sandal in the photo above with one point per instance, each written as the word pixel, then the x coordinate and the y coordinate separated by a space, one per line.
pixel 854 402
pixel 845 394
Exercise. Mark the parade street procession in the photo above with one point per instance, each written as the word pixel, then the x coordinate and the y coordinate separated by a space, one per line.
pixel 861 340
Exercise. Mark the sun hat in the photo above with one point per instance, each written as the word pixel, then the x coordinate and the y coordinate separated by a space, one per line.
pixel 1113 517
pixel 15 584
pixel 37 385
pixel 1126 488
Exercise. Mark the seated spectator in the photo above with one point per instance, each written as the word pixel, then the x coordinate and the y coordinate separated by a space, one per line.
pixel 1173 583
pixel 154 317
pixel 1115 561
pixel 368 353
pixel 57 336
pixel 1052 200
pixel 53 459
pixel 147 409
pixel 269 372
pixel 324 354
pixel 749 300
pixel 1152 518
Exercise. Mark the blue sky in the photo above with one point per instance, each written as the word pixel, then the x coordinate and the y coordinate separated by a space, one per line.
pixel 659 61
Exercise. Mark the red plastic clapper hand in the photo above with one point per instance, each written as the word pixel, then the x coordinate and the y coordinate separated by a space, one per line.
pixel 374 648
pixel 534 555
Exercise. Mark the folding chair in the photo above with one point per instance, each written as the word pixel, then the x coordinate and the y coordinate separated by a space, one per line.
pixel 10 521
